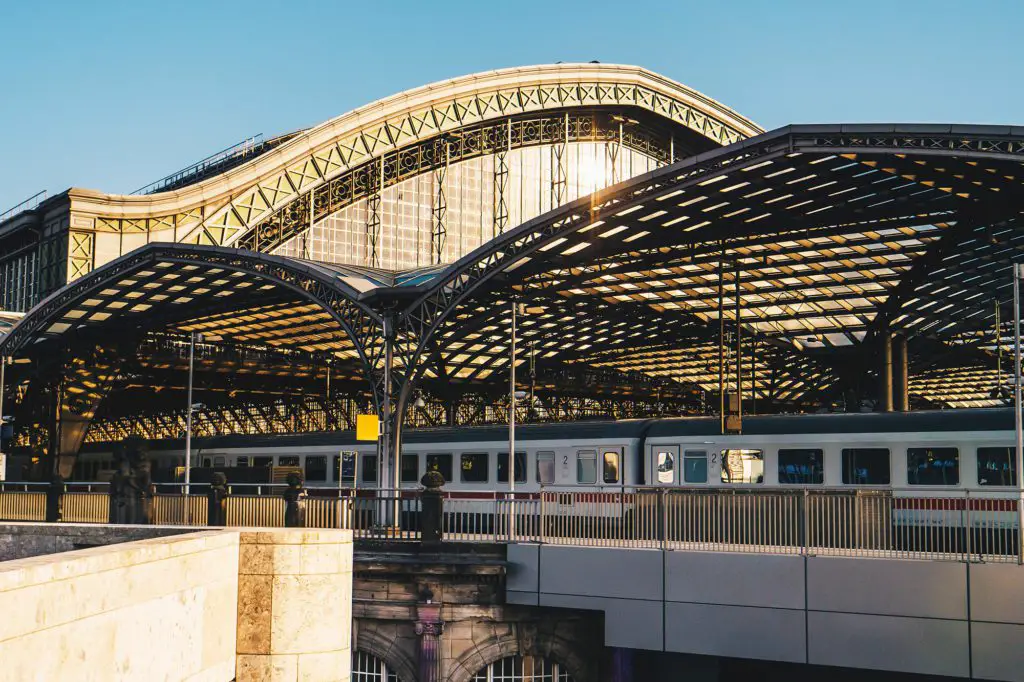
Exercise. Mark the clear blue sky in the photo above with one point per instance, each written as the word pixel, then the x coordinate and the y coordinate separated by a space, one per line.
pixel 112 95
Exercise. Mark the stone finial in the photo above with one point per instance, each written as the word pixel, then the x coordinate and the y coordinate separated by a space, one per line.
pixel 432 480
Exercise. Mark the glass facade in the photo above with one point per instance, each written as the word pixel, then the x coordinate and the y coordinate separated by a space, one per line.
pixel 18 286
pixel 407 215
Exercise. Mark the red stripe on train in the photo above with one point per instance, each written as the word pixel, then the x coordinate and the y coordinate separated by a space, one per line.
pixel 953 504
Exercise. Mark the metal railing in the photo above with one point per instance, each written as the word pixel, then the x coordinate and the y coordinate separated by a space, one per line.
pixel 249 147
pixel 914 523
pixel 26 205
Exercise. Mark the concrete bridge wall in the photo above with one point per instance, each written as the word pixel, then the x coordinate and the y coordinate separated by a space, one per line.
pixel 930 617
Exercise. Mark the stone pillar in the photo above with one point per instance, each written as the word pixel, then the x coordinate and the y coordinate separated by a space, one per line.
pixel 431 509
pixel 217 500
pixel 55 499
pixel 429 627
pixel 294 605
pixel 295 502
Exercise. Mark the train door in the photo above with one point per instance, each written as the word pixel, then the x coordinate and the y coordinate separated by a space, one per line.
pixel 611 466
pixel 696 464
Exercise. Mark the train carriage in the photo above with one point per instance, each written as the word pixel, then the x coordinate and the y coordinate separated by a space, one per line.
pixel 939 468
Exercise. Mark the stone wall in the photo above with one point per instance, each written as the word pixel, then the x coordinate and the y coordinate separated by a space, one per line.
pixel 295 605
pixel 440 615
pixel 265 604
pixel 159 609
pixel 28 539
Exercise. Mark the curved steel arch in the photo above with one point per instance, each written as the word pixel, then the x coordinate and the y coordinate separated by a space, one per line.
pixel 493 137
pixel 456 284
pixel 222 209
pixel 338 299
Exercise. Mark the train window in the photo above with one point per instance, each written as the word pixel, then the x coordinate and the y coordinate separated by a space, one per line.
pixel 410 468
pixel 545 468
pixel 742 466
pixel 369 472
pixel 666 465
pixel 288 461
pixel 473 467
pixel 441 463
pixel 866 466
pixel 997 466
pixel 610 474
pixel 586 466
pixel 316 468
pixel 520 467
pixel 801 466
pixel 242 462
pixel 262 461
pixel 933 466
pixel 218 461
pixel 207 462
pixel 695 466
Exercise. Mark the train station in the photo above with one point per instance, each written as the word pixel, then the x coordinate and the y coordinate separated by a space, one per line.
pixel 613 325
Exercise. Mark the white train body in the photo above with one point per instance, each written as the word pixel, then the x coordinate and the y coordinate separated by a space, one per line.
pixel 923 455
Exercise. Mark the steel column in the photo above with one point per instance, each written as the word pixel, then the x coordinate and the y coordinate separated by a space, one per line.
pixel 3 461
pixel 1017 414
pixel 439 234
pixel 721 344
pixel 902 378
pixel 885 375
pixel 188 425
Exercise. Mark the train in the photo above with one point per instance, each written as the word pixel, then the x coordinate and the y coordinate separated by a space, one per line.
pixel 945 452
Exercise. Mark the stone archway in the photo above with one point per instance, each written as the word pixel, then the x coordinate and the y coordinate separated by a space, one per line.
pixel 389 651
pixel 502 640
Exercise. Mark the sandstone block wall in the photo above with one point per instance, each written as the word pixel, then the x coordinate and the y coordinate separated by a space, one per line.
pixel 161 609
pixel 294 605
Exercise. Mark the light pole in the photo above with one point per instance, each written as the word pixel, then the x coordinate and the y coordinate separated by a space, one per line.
pixel 512 426
pixel 3 461
pixel 1017 271
pixel 193 336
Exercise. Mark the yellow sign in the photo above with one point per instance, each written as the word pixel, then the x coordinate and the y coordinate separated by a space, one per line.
pixel 367 427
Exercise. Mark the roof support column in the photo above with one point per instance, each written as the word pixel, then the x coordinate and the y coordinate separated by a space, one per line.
pixel 902 378
pixel 885 375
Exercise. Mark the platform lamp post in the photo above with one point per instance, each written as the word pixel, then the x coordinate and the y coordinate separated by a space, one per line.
pixel 1018 272
pixel 512 426
pixel 192 407
pixel 4 360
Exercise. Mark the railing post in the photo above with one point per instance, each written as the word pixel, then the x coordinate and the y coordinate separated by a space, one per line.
pixel 663 503
pixel 805 530
pixel 968 525
pixel 543 522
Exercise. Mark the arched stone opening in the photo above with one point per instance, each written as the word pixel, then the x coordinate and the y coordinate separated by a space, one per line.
pixel 396 665
pixel 528 667
pixel 523 642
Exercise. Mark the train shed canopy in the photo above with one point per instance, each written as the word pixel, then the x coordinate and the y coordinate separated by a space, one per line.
pixel 819 240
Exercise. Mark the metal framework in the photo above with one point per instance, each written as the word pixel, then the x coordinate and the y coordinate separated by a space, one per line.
pixel 785 262
pixel 260 201
pixel 435 155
